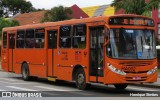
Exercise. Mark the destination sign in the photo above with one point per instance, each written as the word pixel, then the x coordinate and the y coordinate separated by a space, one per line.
pixel 40 30
pixel 131 21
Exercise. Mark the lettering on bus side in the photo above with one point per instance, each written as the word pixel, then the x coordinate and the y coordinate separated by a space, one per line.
pixel 64 56
pixel 3 51
pixel 129 68
pixel 78 56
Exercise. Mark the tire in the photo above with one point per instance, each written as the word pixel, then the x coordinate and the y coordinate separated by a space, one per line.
pixel 80 79
pixel 120 86
pixel 25 72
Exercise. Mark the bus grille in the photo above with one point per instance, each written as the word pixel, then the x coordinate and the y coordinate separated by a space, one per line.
pixel 139 72
pixel 136 64
pixel 135 80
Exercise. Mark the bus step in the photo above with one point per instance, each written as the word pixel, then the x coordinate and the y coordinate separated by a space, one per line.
pixel 51 79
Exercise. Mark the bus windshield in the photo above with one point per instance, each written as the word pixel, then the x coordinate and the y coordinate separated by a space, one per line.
pixel 131 44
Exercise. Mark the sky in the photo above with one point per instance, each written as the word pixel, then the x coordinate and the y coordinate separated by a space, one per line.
pixel 48 4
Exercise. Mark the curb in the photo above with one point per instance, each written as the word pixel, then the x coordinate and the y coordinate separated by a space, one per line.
pixel 147 85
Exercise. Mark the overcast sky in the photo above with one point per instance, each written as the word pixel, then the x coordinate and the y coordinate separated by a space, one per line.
pixel 47 4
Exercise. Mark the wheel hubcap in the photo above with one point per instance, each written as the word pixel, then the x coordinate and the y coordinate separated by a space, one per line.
pixel 25 73
pixel 80 79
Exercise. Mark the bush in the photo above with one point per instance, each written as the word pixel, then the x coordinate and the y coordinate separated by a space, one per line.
pixel 7 23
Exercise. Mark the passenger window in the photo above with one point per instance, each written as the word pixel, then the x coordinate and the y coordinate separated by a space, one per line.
pixel 29 38
pixel 65 37
pixel 20 39
pixel 39 38
pixel 52 39
pixel 79 36
pixel 4 39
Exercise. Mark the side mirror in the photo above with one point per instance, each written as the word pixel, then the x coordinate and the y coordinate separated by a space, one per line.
pixel 158 47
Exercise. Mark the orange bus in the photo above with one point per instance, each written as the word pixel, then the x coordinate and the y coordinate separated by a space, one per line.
pixel 116 50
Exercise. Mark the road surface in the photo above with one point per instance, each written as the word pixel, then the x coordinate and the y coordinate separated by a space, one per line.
pixel 12 82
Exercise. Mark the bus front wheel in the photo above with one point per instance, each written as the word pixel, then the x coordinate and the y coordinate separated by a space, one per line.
pixel 80 79
pixel 120 86
pixel 25 72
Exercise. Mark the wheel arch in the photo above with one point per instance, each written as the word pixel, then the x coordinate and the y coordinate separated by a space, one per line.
pixel 75 69
pixel 22 65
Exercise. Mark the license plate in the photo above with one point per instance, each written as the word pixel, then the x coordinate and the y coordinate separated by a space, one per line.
pixel 137 78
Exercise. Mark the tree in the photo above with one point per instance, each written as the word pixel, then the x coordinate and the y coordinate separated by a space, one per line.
pixel 12 7
pixel 35 10
pixel 57 14
pixel 7 23
pixel 139 7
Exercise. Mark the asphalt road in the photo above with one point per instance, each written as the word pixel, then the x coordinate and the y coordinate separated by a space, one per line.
pixel 12 82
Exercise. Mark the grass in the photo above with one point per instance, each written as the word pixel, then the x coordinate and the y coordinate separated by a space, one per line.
pixel 159 70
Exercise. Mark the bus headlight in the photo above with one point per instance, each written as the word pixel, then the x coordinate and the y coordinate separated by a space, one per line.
pixel 115 70
pixel 152 71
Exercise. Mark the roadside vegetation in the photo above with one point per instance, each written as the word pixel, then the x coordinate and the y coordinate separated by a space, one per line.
pixel 7 23
pixel 139 7
pixel 58 13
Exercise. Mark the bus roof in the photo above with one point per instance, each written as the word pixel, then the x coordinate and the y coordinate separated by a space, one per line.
pixel 72 21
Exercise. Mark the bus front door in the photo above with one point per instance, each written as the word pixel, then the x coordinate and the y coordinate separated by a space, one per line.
pixel 96 51
pixel 52 45
pixel 11 41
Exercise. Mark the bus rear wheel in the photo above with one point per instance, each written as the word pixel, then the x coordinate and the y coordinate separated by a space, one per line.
pixel 120 86
pixel 80 79
pixel 25 72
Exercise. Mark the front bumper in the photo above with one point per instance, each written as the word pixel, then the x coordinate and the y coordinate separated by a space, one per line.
pixel 113 78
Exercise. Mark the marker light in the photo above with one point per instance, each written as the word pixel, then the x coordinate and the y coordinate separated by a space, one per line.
pixel 152 71
pixel 115 70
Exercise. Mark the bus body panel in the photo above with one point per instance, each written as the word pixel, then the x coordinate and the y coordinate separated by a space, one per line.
pixel 11 45
pixel 34 58
pixel 4 58
pixel 55 62
pixel 50 62
pixel 10 60
pixel 60 62
pixel 141 68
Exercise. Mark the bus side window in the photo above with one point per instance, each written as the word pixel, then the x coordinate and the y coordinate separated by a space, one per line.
pixel 79 36
pixel 65 37
pixel 29 42
pixel 52 39
pixel 20 39
pixel 39 40
pixel 4 39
